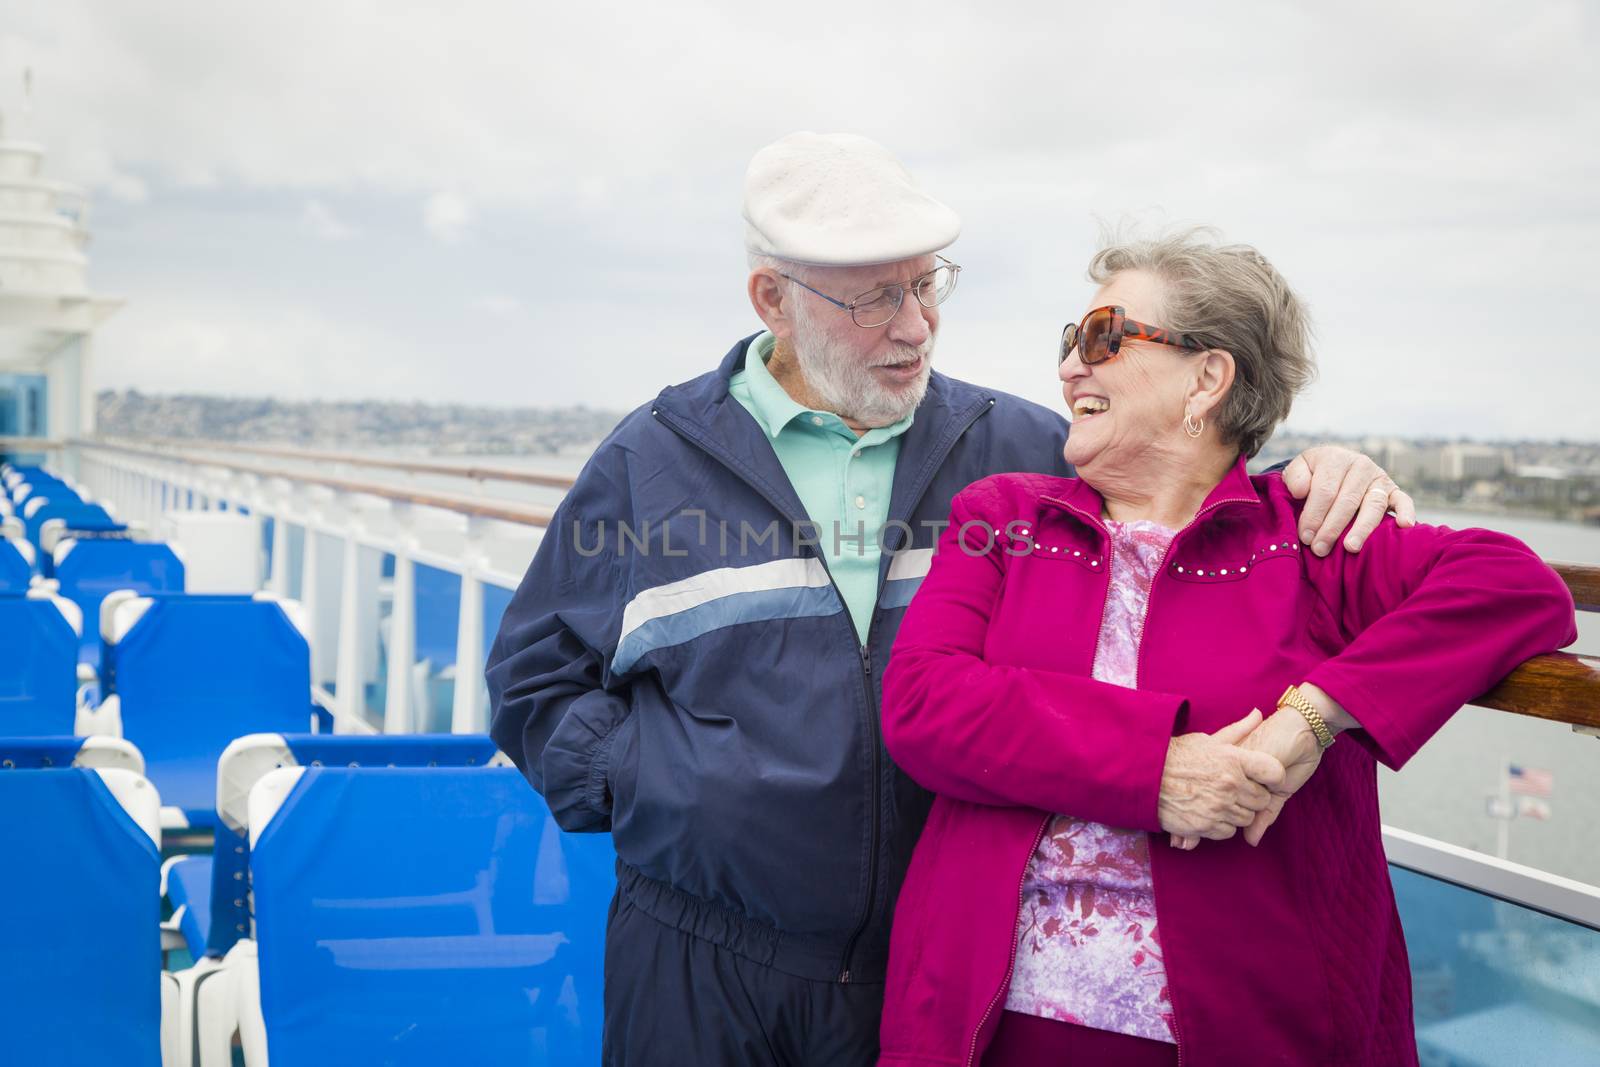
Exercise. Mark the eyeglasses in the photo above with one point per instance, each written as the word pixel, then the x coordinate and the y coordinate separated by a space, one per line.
pixel 1099 337
pixel 878 306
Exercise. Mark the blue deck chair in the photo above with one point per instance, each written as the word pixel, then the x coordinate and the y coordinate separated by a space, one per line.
pixel 66 513
pixel 214 914
pixel 80 949
pixel 209 893
pixel 39 509
pixel 23 470
pixel 41 487
pixel 35 515
pixel 113 628
pixel 44 490
pixel 38 664
pixel 193 672
pixel 15 472
pixel 76 527
pixel 416 917
pixel 18 492
pixel 43 753
pixel 88 570
pixel 186 885
pixel 16 565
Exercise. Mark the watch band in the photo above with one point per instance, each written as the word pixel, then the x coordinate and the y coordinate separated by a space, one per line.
pixel 1294 698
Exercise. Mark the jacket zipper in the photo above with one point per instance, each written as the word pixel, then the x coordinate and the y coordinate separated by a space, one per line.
pixel 1011 962
pixel 874 727
pixel 1138 673
pixel 1011 965
pixel 877 802
pixel 874 723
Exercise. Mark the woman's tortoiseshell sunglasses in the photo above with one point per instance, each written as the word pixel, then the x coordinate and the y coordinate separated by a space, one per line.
pixel 1100 335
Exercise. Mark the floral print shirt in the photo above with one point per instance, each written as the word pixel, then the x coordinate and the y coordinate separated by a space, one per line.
pixel 1088 950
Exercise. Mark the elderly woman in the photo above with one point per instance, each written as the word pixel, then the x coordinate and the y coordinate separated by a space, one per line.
pixel 1077 682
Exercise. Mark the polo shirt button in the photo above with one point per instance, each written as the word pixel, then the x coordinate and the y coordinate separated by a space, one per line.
pixel 861 502
pixel 816 420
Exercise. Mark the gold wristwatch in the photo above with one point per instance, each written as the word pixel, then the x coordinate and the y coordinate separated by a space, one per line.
pixel 1293 698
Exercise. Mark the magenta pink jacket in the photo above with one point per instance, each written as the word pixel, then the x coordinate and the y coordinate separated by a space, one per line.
pixel 1290 953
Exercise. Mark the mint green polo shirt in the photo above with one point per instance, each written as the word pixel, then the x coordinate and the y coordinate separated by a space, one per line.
pixel 843 480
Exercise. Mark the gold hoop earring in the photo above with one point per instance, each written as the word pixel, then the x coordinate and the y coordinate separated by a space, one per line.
pixel 1192 426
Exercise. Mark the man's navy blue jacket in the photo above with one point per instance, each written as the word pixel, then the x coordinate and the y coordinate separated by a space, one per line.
pixel 678 668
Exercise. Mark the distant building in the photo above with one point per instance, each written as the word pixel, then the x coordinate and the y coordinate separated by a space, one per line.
pixel 1403 460
pixel 1468 463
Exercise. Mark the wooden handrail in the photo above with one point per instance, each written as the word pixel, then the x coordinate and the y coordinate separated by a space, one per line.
pixel 1561 687
pixel 1583 580
pixel 473 472
pixel 508 512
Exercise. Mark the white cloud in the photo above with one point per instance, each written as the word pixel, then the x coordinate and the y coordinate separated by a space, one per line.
pixel 446 216
pixel 498 304
pixel 1421 172
pixel 321 221
pixel 242 346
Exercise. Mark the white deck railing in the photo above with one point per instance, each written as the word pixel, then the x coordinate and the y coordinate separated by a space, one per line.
pixel 486 542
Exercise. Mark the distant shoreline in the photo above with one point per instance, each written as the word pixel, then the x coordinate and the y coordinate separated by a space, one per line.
pixel 1490 507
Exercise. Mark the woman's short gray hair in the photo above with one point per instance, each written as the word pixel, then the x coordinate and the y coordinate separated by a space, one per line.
pixel 1227 296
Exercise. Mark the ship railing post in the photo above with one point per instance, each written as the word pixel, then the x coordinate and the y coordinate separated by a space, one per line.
pixel 251 497
pixel 1506 813
pixel 347 665
pixel 467 714
pixel 397 709
pixel 310 595
pixel 282 516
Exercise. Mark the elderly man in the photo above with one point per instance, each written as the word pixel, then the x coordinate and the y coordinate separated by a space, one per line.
pixel 693 659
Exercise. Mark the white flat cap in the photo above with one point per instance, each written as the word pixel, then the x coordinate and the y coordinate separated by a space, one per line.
pixel 836 199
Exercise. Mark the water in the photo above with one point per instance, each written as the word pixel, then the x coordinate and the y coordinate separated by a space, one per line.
pixel 1443 792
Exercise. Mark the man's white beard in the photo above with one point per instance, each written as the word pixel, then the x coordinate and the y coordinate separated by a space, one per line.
pixel 847 387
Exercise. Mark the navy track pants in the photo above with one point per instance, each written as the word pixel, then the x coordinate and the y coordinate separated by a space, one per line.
pixel 676 1000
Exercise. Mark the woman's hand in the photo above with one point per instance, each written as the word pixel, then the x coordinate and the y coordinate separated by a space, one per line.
pixel 1211 786
pixel 1286 736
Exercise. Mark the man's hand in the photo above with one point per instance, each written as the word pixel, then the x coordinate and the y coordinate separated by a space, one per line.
pixel 1335 483
pixel 1211 786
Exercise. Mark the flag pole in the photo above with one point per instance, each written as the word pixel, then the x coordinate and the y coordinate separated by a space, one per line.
pixel 1503 845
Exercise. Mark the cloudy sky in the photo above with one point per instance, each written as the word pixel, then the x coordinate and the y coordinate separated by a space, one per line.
pixel 531 203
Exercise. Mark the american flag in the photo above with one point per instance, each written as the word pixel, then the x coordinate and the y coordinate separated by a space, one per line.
pixel 1530 781
pixel 1533 808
